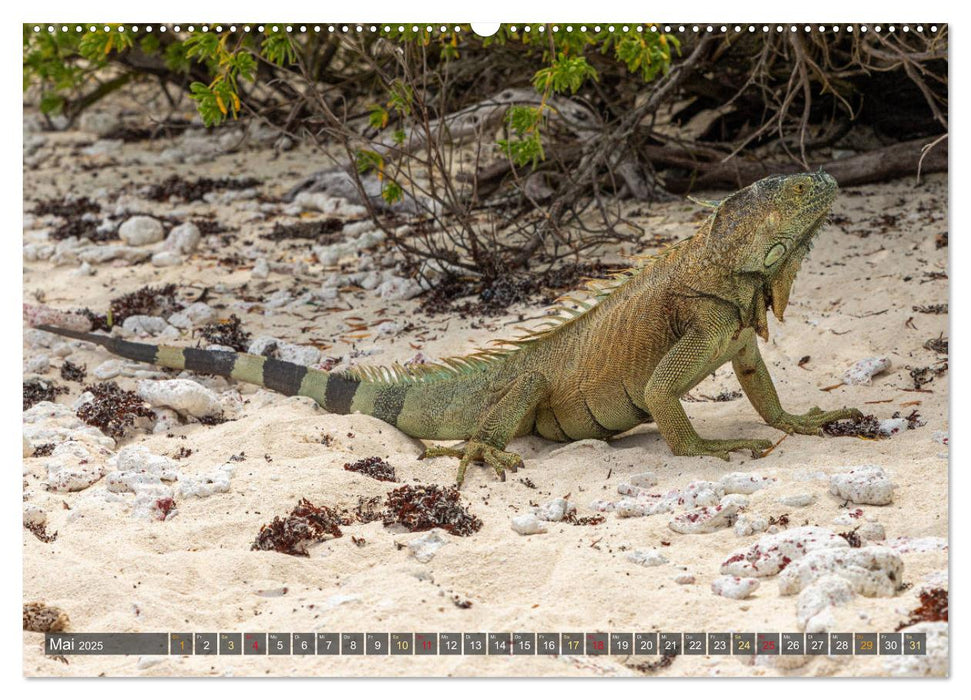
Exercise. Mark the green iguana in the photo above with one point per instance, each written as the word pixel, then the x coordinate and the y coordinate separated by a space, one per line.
pixel 626 357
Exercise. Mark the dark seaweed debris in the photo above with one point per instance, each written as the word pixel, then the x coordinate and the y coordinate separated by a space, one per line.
pixel 66 208
pixel 652 666
pixel 210 227
pixel 113 410
pixel 932 608
pixel 852 537
pixel 147 301
pixel 40 532
pixel 868 426
pixel 925 375
pixel 79 219
pixel 192 190
pixel 367 510
pixel 229 333
pixel 572 518
pixel 71 372
pixel 165 129
pixel 374 467
pixel 496 295
pixel 420 508
pixel 45 449
pixel 306 525
pixel 82 228
pixel 37 390
pixel 938 344
pixel 931 308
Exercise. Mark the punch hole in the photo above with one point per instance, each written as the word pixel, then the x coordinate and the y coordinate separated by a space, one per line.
pixel 486 28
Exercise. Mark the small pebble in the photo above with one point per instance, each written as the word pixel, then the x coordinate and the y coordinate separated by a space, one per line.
pixel 734 587
pixel 528 524
pixel 141 230
pixel 867 484
pixel 703 520
pixel 650 557
pixel 864 370
pixel 797 500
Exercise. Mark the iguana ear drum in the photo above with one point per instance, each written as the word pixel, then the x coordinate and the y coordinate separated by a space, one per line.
pixel 776 252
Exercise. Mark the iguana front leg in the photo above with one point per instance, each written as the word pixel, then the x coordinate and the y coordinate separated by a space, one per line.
pixel 695 355
pixel 497 427
pixel 757 384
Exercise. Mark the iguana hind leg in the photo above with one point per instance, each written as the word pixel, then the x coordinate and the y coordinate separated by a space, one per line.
pixel 757 384
pixel 496 428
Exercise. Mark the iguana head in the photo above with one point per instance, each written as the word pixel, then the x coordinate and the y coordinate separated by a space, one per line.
pixel 766 230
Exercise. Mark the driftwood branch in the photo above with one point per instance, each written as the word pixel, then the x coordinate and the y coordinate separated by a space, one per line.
pixel 897 160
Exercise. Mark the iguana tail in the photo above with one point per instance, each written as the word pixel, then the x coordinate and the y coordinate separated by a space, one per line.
pixel 335 392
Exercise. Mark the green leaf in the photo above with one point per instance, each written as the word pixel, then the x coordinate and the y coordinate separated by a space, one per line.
pixel 244 64
pixel 202 46
pixel 564 74
pixel 392 192
pixel 51 103
pixel 208 104
pixel 277 48
pixel 368 161
pixel 401 97
pixel 378 117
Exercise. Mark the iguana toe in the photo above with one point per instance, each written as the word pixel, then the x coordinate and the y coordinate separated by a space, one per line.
pixel 476 451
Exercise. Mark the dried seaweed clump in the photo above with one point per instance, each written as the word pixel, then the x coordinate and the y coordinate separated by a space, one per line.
pixel 71 372
pixel 374 467
pixel 322 231
pixel 932 608
pixel 367 510
pixel 868 426
pixel 147 301
pixel 497 294
pixel 931 308
pixel 39 617
pixel 938 344
pixel 192 190
pixel 45 449
pixel 229 333
pixel 79 220
pixel 66 207
pixel 573 519
pixel 852 537
pixel 37 390
pixel 305 525
pixel 421 508
pixel 653 666
pixel 40 532
pixel 113 409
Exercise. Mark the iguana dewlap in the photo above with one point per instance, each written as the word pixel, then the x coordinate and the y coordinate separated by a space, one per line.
pixel 626 357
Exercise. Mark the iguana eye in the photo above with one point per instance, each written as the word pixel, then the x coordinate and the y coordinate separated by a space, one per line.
pixel 776 252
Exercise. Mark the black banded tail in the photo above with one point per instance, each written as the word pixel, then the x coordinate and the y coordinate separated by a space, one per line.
pixel 334 392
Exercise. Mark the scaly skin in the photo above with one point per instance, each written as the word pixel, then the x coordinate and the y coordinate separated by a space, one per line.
pixel 654 334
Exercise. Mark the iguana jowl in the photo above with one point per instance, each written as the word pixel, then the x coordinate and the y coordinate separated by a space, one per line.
pixel 647 339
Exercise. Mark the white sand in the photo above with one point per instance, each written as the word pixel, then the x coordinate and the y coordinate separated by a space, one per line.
pixel 195 572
